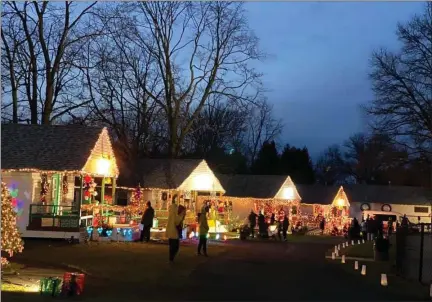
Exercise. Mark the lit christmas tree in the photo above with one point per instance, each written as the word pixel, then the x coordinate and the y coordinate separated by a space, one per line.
pixel 10 237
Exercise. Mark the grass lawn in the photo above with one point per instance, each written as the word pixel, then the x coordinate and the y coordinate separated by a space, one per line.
pixel 117 268
pixel 374 269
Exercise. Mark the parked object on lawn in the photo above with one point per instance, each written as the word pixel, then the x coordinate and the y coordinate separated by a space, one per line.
pixel 381 249
pixel 51 286
pixel 244 232
pixel 73 284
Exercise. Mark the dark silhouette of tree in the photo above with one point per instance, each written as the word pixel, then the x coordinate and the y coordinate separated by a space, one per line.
pixel 330 167
pixel 267 161
pixel 402 82
pixel 297 163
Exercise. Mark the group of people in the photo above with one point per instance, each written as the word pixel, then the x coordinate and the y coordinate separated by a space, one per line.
pixel 263 227
pixel 176 215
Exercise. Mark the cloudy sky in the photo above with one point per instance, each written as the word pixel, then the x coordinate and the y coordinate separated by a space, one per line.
pixel 318 69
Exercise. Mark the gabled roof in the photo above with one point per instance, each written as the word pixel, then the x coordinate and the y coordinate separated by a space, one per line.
pixel 47 147
pixel 388 194
pixel 158 173
pixel 255 186
pixel 317 194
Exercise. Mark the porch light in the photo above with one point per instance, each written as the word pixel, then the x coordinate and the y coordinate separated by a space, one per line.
pixel 203 183
pixel 341 203
pixel 103 166
pixel 288 193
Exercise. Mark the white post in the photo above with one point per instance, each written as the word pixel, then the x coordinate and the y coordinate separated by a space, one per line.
pixel 363 270
pixel 343 259
pixel 333 256
pixel 356 265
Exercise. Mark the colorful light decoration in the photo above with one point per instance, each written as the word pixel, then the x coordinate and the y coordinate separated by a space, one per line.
pixel 10 237
pixel 103 166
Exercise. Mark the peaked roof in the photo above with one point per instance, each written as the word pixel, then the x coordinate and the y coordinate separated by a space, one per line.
pixel 388 194
pixel 317 194
pixel 255 186
pixel 47 147
pixel 158 173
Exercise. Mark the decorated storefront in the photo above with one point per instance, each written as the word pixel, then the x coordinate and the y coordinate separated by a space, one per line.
pixel 164 181
pixel 328 203
pixel 57 169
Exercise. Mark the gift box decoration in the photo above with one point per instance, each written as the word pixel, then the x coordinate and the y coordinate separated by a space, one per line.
pixel 50 286
pixel 73 284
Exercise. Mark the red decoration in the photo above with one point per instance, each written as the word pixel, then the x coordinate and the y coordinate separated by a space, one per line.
pixel 73 284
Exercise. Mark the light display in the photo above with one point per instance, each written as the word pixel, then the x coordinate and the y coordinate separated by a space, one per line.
pixel 17 204
pixel 202 182
pixel 288 193
pixel 103 166
pixel 89 188
pixel 10 238
pixel 44 187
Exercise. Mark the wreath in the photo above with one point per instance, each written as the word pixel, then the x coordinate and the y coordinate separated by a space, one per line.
pixel 365 207
pixel 386 207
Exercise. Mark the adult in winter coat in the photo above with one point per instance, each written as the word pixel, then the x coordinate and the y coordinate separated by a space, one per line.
pixel 174 220
pixel 322 225
pixel 285 225
pixel 203 230
pixel 252 222
pixel 147 222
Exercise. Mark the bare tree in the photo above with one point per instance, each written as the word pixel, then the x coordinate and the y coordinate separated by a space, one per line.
pixel 50 39
pixel 330 167
pixel 261 127
pixel 199 49
pixel 402 83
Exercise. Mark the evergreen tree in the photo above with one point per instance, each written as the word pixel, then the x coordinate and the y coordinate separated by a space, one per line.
pixel 10 237
pixel 297 163
pixel 267 161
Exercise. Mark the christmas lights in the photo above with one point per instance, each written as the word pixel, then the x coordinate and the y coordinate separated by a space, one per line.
pixel 10 238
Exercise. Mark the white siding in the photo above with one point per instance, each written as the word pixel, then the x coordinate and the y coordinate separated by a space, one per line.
pixel 355 211
pixel 24 183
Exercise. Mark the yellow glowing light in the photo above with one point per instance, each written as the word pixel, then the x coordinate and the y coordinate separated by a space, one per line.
pixel 288 193
pixel 340 202
pixel 103 166
pixel 202 182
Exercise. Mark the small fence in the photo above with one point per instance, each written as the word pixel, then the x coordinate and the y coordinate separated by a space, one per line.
pixel 414 252
pixel 53 216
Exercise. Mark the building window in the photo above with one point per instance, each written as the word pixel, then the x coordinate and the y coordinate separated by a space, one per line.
pixel 421 209
pixel 365 207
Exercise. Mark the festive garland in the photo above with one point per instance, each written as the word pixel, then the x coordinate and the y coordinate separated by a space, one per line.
pixel 44 187
pixel 65 189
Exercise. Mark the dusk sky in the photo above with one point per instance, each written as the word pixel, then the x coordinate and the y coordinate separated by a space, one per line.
pixel 317 73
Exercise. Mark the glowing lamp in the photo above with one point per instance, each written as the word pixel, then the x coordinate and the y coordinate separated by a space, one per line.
pixel 103 166
pixel 288 193
pixel 384 280
pixel 340 202
pixel 356 267
pixel 203 182
pixel 217 236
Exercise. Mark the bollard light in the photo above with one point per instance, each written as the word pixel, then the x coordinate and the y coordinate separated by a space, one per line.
pixel 337 253
pixel 359 242
pixel 333 256
pixel 363 271
pixel 343 245
pixel 352 242
pixel 356 265
pixel 363 241
pixel 343 259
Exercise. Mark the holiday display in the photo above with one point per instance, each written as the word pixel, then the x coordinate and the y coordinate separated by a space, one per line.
pixel 10 238
pixel 50 286
pixel 44 188
pixel 65 189
pixel 89 188
pixel 136 197
pixel 73 284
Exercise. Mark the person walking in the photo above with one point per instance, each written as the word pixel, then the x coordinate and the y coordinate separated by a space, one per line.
pixel 252 222
pixel 147 222
pixel 203 229
pixel 175 219
pixel 322 225
pixel 285 225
